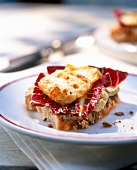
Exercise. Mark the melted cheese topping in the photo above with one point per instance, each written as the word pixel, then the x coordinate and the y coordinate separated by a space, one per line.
pixel 65 86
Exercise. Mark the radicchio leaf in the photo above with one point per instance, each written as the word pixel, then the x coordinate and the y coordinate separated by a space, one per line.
pixel 52 69
pixel 113 77
pixel 40 76
pixel 110 78
pixel 91 99
pixel 118 13
pixel 40 99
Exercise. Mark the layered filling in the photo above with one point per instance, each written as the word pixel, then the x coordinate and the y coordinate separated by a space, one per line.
pixel 76 90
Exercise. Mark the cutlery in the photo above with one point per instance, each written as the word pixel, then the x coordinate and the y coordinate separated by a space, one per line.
pixel 42 55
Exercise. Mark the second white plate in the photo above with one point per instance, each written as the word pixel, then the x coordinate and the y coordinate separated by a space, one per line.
pixel 122 51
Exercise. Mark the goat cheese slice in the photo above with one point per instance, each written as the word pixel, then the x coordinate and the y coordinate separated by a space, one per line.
pixel 65 86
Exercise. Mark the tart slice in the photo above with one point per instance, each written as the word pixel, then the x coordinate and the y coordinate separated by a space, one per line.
pixel 75 97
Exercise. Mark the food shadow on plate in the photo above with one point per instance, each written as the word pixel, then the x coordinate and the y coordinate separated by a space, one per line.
pixel 119 123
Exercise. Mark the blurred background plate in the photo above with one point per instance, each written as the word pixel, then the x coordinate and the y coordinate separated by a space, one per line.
pixel 123 51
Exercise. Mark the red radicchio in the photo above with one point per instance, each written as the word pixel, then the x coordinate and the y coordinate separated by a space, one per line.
pixel 40 99
pixel 91 99
pixel 118 13
pixel 52 69
pixel 110 78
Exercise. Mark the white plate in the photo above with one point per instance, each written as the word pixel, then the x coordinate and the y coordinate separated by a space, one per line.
pixel 14 115
pixel 122 51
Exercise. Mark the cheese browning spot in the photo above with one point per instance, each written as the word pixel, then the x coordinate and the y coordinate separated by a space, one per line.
pixel 82 78
pixel 67 77
pixel 65 91
pixel 59 75
pixel 76 86
pixel 54 91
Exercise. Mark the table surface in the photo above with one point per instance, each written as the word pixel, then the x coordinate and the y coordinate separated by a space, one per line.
pixel 24 28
